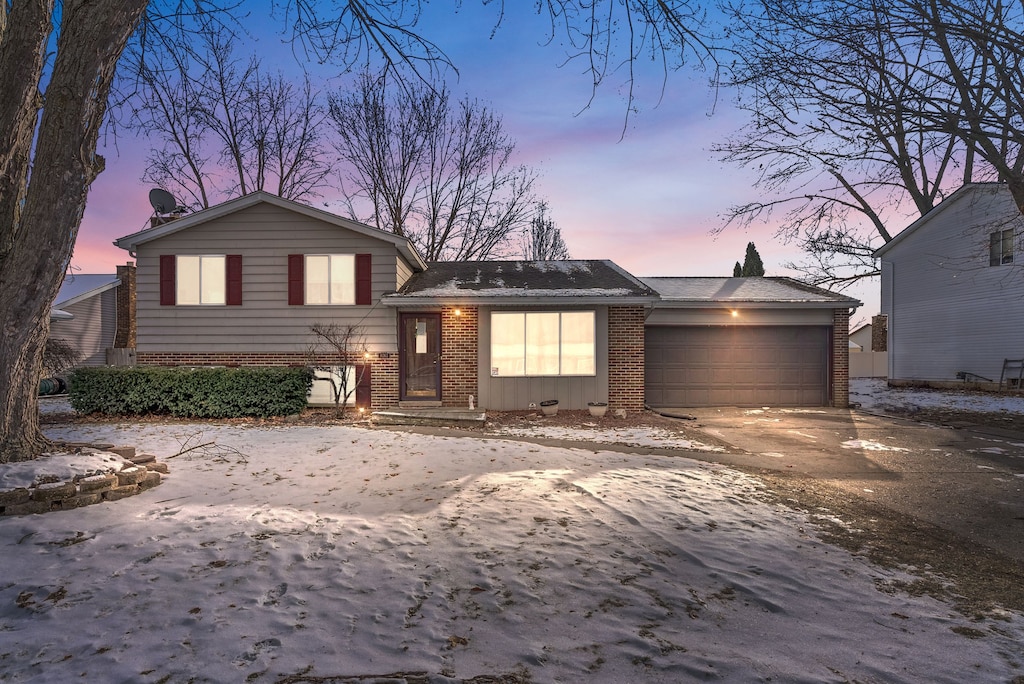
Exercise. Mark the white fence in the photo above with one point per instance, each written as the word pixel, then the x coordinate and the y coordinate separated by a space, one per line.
pixel 869 364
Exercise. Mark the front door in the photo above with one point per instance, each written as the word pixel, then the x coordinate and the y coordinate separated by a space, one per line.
pixel 419 357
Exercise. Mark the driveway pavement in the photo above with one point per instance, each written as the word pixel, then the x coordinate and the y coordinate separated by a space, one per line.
pixel 969 480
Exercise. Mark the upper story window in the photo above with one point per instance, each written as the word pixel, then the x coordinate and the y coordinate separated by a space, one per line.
pixel 200 280
pixel 1000 247
pixel 330 278
pixel 543 343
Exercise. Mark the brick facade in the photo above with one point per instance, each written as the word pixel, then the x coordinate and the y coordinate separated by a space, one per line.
pixel 459 348
pixel 841 358
pixel 124 336
pixel 880 333
pixel 626 357
pixel 383 367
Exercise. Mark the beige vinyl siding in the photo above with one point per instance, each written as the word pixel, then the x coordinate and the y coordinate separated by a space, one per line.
pixel 264 235
pixel 92 329
pixel 516 393
pixel 664 314
pixel 404 272
pixel 949 310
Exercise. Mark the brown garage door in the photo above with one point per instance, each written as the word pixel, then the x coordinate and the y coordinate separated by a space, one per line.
pixel 737 366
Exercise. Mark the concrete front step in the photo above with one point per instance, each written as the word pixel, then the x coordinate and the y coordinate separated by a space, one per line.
pixel 438 417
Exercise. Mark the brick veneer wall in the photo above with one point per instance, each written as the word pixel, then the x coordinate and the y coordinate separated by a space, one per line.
pixel 383 367
pixel 880 333
pixel 841 358
pixel 459 346
pixel 626 357
pixel 124 335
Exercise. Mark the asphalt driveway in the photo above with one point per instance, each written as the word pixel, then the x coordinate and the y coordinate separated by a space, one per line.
pixel 968 480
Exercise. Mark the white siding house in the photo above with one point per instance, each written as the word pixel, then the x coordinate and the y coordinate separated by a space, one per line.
pixel 953 289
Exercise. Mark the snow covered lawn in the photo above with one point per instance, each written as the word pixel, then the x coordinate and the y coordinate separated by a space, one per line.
pixel 339 551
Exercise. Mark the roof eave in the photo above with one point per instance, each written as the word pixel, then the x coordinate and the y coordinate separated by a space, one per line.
pixel 727 304
pixel 86 295
pixel 524 300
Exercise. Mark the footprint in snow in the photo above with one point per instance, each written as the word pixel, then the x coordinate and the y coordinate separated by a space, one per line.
pixel 271 597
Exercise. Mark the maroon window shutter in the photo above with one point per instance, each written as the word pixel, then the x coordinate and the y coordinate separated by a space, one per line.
pixel 296 280
pixel 363 385
pixel 364 278
pixel 233 263
pixel 167 292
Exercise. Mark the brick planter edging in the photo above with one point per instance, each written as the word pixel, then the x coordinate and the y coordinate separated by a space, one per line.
pixel 145 472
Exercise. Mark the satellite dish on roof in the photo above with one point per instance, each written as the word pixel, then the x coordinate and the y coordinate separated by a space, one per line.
pixel 163 202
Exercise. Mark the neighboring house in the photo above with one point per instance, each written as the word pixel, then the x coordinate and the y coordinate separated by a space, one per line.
pixel 88 311
pixel 860 338
pixel 865 362
pixel 746 342
pixel 953 291
pixel 242 283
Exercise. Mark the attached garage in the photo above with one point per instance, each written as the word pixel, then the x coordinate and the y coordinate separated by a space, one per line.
pixel 737 365
pixel 745 342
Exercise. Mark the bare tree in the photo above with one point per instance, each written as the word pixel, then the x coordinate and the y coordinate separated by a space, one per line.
pixel 439 174
pixel 863 113
pixel 543 239
pixel 225 128
pixel 335 350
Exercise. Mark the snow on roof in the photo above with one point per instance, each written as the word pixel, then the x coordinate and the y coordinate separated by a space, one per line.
pixel 79 286
pixel 507 279
pixel 773 289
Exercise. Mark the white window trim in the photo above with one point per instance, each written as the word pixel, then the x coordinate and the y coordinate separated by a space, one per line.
pixel 1004 257
pixel 201 257
pixel 330 295
pixel 496 372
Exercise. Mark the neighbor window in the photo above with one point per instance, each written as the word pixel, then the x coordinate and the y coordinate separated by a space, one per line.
pixel 543 343
pixel 200 280
pixel 1000 247
pixel 330 279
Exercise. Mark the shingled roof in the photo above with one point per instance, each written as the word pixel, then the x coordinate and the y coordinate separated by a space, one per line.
pixel 582 281
pixel 681 292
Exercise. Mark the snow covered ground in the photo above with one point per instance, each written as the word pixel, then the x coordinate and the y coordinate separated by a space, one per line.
pixel 340 551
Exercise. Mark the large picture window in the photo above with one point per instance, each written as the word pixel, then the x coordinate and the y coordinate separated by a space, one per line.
pixel 330 279
pixel 201 280
pixel 543 343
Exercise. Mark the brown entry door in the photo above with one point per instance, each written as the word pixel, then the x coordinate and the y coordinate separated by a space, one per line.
pixel 420 357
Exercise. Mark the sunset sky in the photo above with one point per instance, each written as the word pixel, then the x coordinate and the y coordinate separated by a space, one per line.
pixel 646 197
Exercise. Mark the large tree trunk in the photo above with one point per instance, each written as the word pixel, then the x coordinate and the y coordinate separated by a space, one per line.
pixel 40 211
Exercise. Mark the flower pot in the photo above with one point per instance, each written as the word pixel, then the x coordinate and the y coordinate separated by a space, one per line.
pixel 549 407
pixel 597 408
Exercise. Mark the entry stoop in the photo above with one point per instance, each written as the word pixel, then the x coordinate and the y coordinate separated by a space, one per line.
pixel 434 416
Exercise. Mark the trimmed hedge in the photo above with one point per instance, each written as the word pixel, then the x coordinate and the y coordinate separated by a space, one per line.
pixel 190 392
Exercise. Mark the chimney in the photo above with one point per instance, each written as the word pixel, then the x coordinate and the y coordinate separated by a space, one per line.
pixel 124 337
pixel 879 332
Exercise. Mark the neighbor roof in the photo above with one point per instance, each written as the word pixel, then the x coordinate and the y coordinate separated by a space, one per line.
pixel 685 292
pixel 131 242
pixel 499 282
pixel 966 190
pixel 80 286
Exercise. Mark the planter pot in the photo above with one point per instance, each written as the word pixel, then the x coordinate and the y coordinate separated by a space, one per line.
pixel 597 408
pixel 549 407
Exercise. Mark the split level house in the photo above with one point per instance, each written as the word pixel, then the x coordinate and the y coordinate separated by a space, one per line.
pixel 244 282
pixel 953 291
